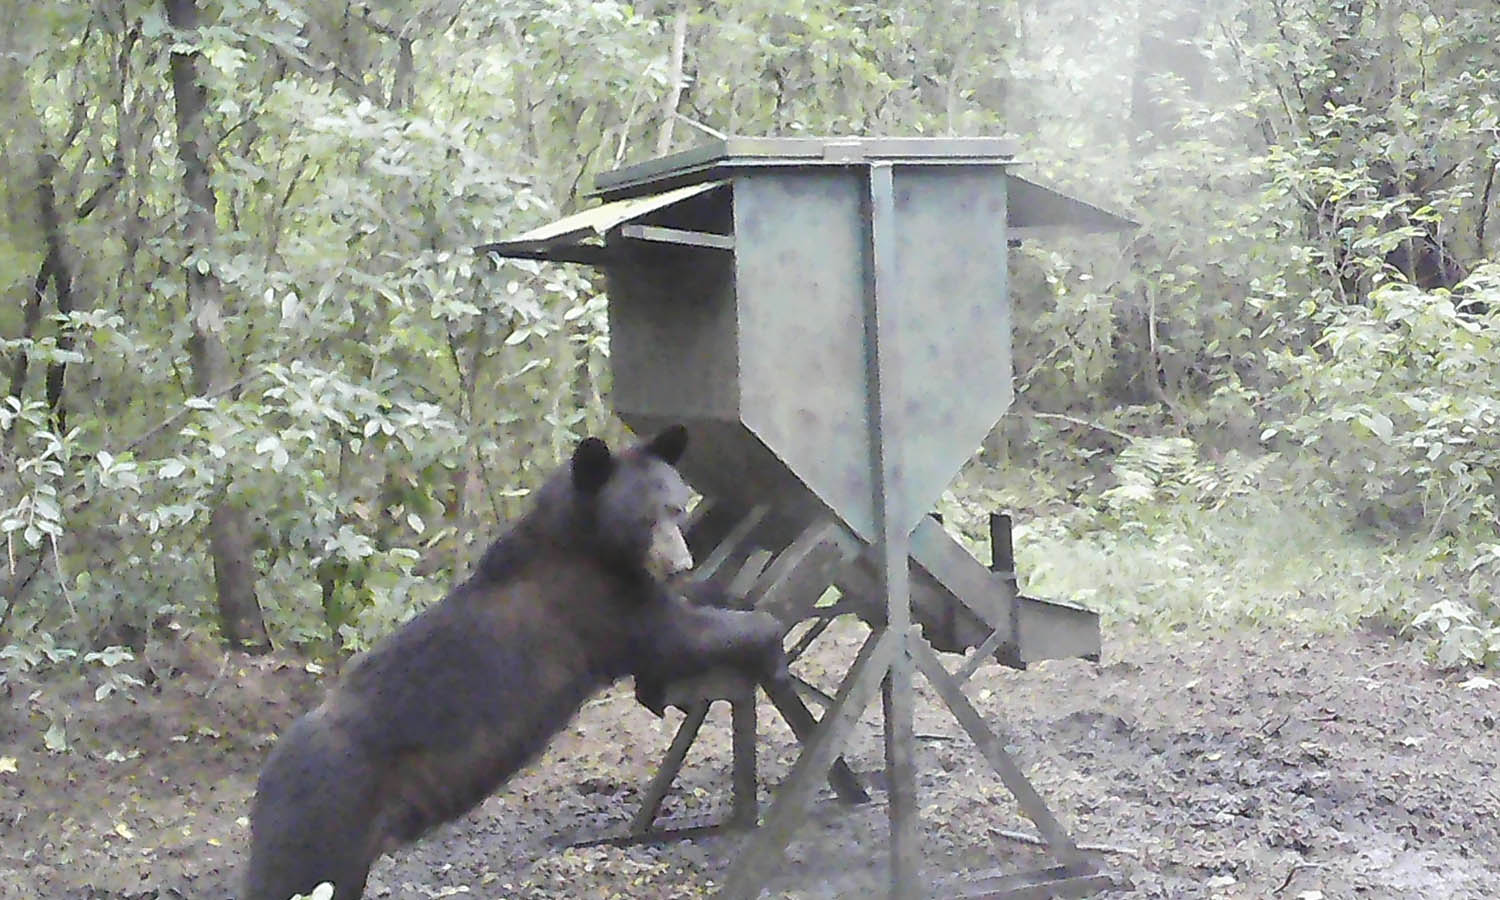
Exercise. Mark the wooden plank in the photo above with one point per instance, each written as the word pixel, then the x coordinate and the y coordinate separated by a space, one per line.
pixel 725 548
pixel 813 632
pixel 671 764
pixel 811 691
pixel 659 234
pixel 804 725
pixel 802 572
pixel 746 790
pixel 980 656
pixel 743 583
pixel 993 749
pixel 1043 884
pixel 768 843
pixel 884 414
pixel 898 702
pixel 974 585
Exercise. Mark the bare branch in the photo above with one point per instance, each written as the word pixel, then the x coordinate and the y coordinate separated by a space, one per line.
pixel 674 96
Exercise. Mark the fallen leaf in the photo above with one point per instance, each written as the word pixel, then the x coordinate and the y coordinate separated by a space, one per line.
pixel 7 764
pixel 56 738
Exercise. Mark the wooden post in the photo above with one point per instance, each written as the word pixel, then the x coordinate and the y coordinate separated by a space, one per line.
pixel 746 797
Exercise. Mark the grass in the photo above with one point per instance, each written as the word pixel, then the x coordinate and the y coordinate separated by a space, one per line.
pixel 1170 560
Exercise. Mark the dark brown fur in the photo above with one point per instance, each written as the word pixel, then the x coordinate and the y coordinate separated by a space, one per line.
pixel 442 712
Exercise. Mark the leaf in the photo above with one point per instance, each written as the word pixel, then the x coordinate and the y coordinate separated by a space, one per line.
pixel 171 469
pixel 7 764
pixel 1380 425
pixel 46 507
pixel 56 738
pixel 124 831
pixel 111 656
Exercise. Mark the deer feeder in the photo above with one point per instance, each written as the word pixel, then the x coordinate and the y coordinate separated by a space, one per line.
pixel 831 320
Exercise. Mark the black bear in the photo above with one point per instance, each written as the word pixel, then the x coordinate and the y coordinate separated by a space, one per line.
pixel 435 717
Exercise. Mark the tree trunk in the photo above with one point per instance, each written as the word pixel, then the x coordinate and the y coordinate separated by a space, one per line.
pixel 228 527
pixel 674 93
pixel 62 284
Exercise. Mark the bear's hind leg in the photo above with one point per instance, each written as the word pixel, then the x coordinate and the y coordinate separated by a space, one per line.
pixel 313 818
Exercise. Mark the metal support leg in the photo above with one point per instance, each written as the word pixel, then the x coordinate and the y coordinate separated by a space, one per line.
pixel 884 405
pixel 901 772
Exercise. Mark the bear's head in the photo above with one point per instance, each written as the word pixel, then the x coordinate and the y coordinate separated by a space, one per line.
pixel 625 510
pixel 635 502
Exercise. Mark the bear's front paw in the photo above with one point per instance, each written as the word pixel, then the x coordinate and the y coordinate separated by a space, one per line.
pixel 772 657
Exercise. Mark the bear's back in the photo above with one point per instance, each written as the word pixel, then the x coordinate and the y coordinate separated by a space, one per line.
pixel 507 659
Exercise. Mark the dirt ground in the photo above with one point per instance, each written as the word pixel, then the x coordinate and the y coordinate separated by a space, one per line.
pixel 1266 765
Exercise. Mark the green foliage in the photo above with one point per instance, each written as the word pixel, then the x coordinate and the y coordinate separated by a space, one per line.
pixel 1284 382
pixel 1401 400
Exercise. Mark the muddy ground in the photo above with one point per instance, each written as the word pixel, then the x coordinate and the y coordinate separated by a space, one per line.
pixel 1266 765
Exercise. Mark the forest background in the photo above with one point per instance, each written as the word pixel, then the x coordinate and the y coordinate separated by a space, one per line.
pixel 254 381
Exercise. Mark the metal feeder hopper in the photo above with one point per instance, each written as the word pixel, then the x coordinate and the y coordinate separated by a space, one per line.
pixel 830 319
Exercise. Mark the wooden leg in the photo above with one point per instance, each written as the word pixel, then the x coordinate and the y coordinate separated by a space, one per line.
pixel 840 777
pixel 993 749
pixel 767 844
pixel 746 799
pixel 670 766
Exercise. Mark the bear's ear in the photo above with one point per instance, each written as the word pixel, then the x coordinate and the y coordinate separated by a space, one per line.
pixel 592 465
pixel 669 445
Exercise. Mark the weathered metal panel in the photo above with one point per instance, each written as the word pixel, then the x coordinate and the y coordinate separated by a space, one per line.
pixel 800 283
pixel 1034 207
pixel 728 463
pixel 954 320
pixel 673 334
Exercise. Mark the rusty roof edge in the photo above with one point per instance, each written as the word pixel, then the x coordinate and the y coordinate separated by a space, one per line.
pixel 574 229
